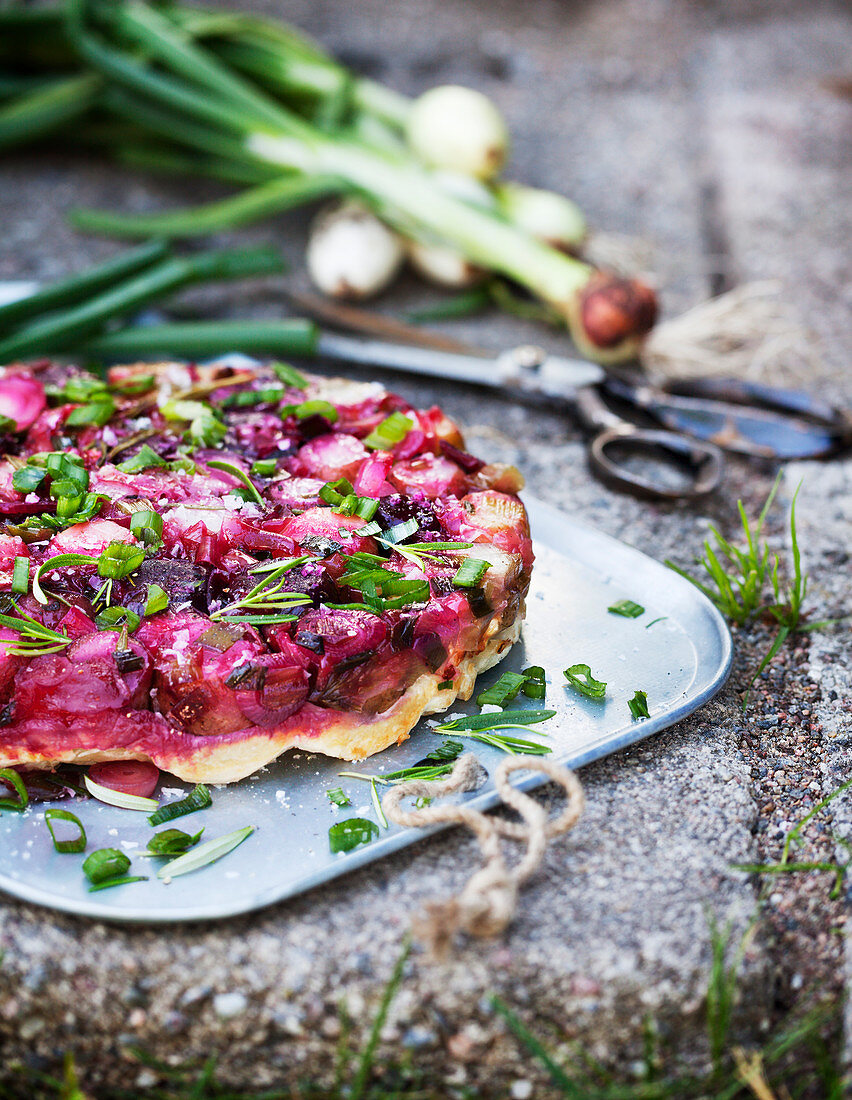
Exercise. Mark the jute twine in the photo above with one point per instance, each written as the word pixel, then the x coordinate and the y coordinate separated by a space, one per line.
pixel 487 904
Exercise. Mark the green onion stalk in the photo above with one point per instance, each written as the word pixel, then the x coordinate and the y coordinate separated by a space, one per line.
pixel 194 99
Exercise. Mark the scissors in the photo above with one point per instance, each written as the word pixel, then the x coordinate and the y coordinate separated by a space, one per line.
pixel 679 458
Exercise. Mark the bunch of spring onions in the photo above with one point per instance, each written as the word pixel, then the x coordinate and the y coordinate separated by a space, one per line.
pixel 253 103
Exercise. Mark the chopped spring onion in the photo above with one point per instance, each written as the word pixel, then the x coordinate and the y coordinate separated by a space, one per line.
pixel 289 376
pixel 444 684
pixel 10 776
pixel 380 814
pixel 21 576
pixel 506 689
pixel 264 467
pixel 246 399
pixel 205 854
pixel 352 505
pixel 96 413
pixel 470 572
pixel 505 719
pixel 118 798
pixel 144 459
pixel 240 475
pixel 392 430
pixel 312 408
pixel 28 479
pixel 336 795
pixel 157 600
pixel 343 836
pixel 400 531
pixel 580 678
pixel 104 864
pixel 146 525
pixel 171 842
pixel 74 844
pixel 117 618
pixel 639 705
pixel 120 559
pixel 117 880
pixel 627 608
pixel 533 686
pixel 197 799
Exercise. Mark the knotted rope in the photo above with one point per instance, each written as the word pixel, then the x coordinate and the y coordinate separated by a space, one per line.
pixel 488 902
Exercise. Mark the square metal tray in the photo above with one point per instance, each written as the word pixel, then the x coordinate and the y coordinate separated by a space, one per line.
pixel 680 660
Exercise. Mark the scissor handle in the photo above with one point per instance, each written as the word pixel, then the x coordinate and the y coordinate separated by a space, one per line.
pixel 703 460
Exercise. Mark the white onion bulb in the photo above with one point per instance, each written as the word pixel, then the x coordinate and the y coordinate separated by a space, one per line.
pixel 459 129
pixel 351 254
pixel 543 214
pixel 443 266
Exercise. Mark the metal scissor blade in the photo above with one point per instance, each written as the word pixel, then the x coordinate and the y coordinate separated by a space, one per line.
pixel 528 370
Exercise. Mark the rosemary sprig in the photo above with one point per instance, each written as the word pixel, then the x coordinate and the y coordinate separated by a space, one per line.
pixel 34 639
pixel 266 604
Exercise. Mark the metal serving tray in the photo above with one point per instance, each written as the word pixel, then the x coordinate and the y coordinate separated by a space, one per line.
pixel 681 660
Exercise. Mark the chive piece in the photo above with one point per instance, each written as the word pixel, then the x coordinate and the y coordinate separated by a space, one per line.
pixel 336 795
pixel 470 572
pixel 504 691
pixel 264 467
pixel 197 799
pixel 205 854
pixel 639 705
pixel 119 560
pixel 10 776
pixel 75 844
pixel 315 407
pixel 627 608
pixel 511 745
pixel 400 531
pixel 132 387
pixel 335 492
pixel 116 880
pixel 506 719
pixel 158 600
pixel 447 750
pixel 246 399
pixel 144 459
pixel 118 798
pixel 580 678
pixel 172 842
pixel 392 430
pixel 240 475
pixel 377 806
pixel 444 684
pixel 96 414
pixel 105 863
pixel 533 686
pixel 289 376
pixel 21 576
pixel 28 479
pixel 117 618
pixel 343 836
pixel 659 619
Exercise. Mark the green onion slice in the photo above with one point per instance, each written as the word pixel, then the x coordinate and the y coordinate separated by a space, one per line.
pixel 21 576
pixel 639 705
pixel 28 479
pixel 158 600
pixel 117 880
pixel 120 559
pixel 172 842
pixel 580 678
pixel 146 523
pixel 144 459
pixel 336 795
pixel 628 608
pixel 534 685
pixel 264 467
pixel 392 430
pixel 96 413
pixel 470 572
pixel 505 719
pixel 117 618
pixel 197 799
pixel 10 776
pixel 205 854
pixel 74 844
pixel 504 691
pixel 118 798
pixel 289 376
pixel 105 863
pixel 343 836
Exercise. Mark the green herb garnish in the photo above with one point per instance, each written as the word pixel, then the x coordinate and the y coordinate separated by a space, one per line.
pixel 343 836
pixel 289 376
pixel 470 572
pixel 95 414
pixel 504 719
pixel 534 685
pixel 27 479
pixel 266 604
pixel 580 678
pixel 116 880
pixel 21 576
pixel 504 691
pixel 34 639
pixel 639 705
pixel 392 430
pixel 197 799
pixel 19 804
pixel 145 459
pixel 312 408
pixel 105 863
pixel 118 798
pixel 205 854
pixel 240 475
pixel 172 842
pixel 74 844
pixel 336 795
pixel 264 467
pixel 627 608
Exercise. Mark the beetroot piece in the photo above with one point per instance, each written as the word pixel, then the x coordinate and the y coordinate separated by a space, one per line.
pixel 82 681
pixel 434 475
pixel 90 538
pixel 182 581
pixel 342 634
pixel 329 457
pixel 21 399
pixel 319 531
pixel 397 509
